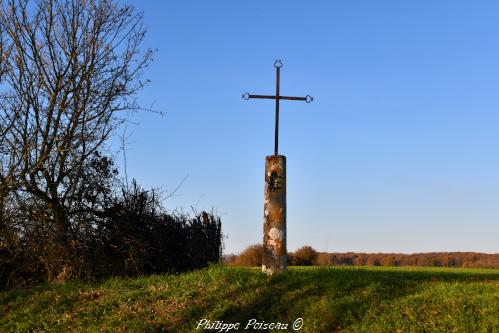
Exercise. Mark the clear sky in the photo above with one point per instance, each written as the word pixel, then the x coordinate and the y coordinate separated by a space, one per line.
pixel 399 152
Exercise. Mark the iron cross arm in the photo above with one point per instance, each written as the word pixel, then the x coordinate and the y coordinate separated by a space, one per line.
pixel 307 98
pixel 278 97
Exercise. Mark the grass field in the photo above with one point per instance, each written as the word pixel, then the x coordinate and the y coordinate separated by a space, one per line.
pixel 327 299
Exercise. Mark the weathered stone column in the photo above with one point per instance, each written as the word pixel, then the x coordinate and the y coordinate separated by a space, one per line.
pixel 274 226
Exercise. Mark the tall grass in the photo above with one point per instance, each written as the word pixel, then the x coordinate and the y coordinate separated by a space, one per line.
pixel 327 299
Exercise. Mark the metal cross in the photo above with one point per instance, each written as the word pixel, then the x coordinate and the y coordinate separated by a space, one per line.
pixel 278 97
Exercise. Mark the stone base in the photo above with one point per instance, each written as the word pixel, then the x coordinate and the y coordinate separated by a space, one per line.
pixel 274 226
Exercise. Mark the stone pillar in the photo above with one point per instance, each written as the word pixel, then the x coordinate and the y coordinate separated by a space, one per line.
pixel 274 225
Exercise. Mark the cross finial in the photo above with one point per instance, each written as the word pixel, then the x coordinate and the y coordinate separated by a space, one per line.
pixel 278 65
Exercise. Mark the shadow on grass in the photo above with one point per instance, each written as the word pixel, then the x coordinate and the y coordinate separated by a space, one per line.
pixel 335 297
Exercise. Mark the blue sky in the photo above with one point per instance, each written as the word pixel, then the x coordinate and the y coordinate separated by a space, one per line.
pixel 399 152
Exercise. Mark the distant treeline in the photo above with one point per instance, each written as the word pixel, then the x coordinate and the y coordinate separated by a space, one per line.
pixel 307 256
pixel 431 259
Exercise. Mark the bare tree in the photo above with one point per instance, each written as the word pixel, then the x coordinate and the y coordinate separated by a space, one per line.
pixel 69 72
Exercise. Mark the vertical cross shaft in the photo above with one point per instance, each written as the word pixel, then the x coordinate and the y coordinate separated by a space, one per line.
pixel 277 80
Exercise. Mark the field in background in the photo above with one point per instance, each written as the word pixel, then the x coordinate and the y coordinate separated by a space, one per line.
pixel 379 299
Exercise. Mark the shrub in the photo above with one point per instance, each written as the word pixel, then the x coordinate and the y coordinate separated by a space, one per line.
pixel 251 256
pixel 304 256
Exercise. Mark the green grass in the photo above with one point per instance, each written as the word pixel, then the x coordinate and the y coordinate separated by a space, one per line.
pixel 376 299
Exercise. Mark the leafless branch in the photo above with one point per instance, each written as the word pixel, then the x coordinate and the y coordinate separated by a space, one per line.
pixel 69 73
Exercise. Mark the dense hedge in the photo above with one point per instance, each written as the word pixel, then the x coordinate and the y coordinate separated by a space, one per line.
pixel 132 235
